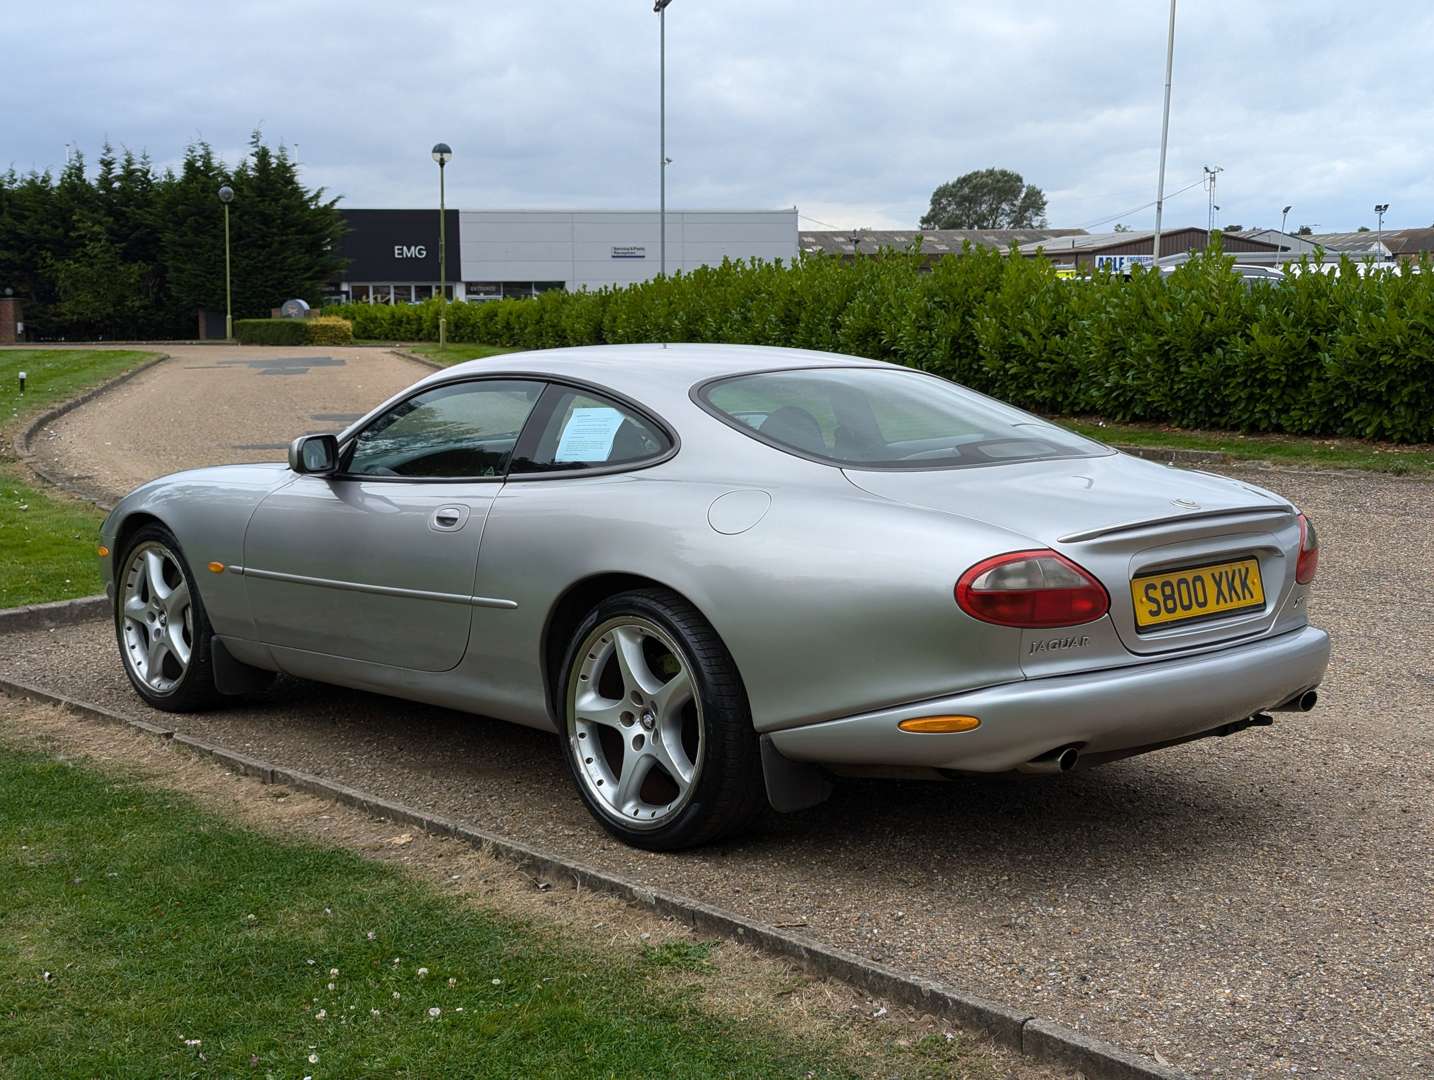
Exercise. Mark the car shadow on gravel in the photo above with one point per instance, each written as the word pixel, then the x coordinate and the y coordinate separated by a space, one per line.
pixel 1144 811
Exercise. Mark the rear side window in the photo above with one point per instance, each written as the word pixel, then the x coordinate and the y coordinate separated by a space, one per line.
pixel 885 418
pixel 583 430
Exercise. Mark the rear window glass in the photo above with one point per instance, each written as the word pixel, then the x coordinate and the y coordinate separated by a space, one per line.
pixel 879 418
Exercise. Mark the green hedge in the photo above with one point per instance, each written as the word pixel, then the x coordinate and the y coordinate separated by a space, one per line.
pixel 325 330
pixel 1312 354
pixel 270 332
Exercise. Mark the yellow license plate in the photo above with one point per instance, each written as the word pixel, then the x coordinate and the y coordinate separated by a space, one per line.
pixel 1200 592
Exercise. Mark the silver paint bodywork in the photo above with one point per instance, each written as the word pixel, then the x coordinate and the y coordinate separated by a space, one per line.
pixel 832 588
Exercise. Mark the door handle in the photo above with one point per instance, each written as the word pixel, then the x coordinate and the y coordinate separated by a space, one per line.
pixel 448 518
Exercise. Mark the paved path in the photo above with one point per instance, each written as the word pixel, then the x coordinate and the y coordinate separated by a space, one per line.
pixel 213 405
pixel 1254 906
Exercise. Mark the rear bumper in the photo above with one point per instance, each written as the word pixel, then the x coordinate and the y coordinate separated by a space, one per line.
pixel 1102 712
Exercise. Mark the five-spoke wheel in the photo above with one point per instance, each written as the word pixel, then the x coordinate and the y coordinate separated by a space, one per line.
pixel 657 730
pixel 635 724
pixel 157 617
pixel 161 625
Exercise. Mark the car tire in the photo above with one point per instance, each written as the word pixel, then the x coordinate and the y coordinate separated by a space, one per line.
pixel 646 675
pixel 161 626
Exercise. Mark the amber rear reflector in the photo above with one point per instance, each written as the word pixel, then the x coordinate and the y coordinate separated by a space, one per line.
pixel 102 551
pixel 940 724
pixel 216 568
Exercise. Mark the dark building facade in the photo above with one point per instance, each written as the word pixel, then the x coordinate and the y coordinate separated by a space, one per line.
pixel 393 255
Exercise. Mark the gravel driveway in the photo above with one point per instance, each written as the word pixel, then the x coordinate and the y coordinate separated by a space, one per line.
pixel 216 405
pixel 1255 906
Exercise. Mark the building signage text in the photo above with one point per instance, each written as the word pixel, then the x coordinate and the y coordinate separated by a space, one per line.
pixel 629 251
pixel 410 251
pixel 1123 264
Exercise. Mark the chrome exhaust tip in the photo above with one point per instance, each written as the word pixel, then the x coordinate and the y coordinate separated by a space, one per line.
pixel 1060 760
pixel 1304 701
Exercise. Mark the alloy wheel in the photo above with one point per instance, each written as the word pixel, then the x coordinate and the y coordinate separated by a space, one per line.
pixel 634 722
pixel 157 617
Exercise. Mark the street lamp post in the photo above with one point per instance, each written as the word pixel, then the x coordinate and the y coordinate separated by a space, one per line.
pixel 1211 172
pixel 1164 136
pixel 660 6
pixel 1284 216
pixel 226 196
pixel 441 153
pixel 1381 209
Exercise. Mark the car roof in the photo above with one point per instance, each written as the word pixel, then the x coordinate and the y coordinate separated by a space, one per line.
pixel 667 369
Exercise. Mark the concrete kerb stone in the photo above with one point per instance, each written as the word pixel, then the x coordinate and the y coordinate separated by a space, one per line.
pixel 57 613
pixel 1040 1040
pixel 1056 1044
pixel 27 434
pixel 425 361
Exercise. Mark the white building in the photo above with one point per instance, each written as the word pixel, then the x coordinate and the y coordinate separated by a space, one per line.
pixel 494 254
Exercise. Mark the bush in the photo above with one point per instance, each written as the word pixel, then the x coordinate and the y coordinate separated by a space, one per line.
pixel 1312 354
pixel 269 332
pixel 328 330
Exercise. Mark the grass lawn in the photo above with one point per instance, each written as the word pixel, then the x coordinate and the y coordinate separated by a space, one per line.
pixel 1296 451
pixel 53 376
pixel 456 354
pixel 47 540
pixel 47 543
pixel 143 936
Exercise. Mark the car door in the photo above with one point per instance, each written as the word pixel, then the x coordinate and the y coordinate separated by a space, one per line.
pixel 377 562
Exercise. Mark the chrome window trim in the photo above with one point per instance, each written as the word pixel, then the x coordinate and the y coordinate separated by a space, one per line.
pixel 675 441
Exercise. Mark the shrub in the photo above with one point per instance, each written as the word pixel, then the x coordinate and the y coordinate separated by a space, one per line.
pixel 1311 354
pixel 328 330
pixel 269 331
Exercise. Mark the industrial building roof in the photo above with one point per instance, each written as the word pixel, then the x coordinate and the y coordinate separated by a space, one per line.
pixel 933 241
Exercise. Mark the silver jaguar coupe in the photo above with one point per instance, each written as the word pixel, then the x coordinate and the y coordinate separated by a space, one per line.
pixel 723 574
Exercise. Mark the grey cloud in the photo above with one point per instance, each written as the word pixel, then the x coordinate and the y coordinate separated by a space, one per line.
pixel 853 111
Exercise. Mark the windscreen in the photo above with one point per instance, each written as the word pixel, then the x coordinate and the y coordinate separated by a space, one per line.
pixel 886 418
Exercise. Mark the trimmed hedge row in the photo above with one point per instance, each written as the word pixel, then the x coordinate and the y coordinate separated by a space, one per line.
pixel 324 330
pixel 1315 353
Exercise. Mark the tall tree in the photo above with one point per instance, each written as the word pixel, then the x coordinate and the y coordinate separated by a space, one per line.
pixel 117 251
pixel 192 239
pixel 285 236
pixel 986 199
pixel 99 294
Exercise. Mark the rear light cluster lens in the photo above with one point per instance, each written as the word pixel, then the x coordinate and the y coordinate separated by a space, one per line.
pixel 1308 563
pixel 1037 589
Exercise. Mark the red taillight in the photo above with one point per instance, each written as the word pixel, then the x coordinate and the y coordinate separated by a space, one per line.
pixel 1308 562
pixel 1036 589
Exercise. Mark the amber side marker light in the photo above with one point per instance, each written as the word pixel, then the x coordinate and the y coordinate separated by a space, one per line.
pixel 102 551
pixel 936 725
pixel 216 568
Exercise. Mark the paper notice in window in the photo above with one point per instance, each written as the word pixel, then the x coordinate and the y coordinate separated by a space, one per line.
pixel 588 435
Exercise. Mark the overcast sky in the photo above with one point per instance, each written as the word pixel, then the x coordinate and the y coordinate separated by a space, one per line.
pixel 851 110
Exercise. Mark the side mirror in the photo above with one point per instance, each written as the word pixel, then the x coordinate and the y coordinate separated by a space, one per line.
pixel 316 455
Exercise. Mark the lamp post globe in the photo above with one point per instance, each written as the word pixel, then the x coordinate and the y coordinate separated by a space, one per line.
pixel 442 153
pixel 226 196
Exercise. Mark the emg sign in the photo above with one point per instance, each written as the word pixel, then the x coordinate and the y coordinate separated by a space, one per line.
pixel 410 251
